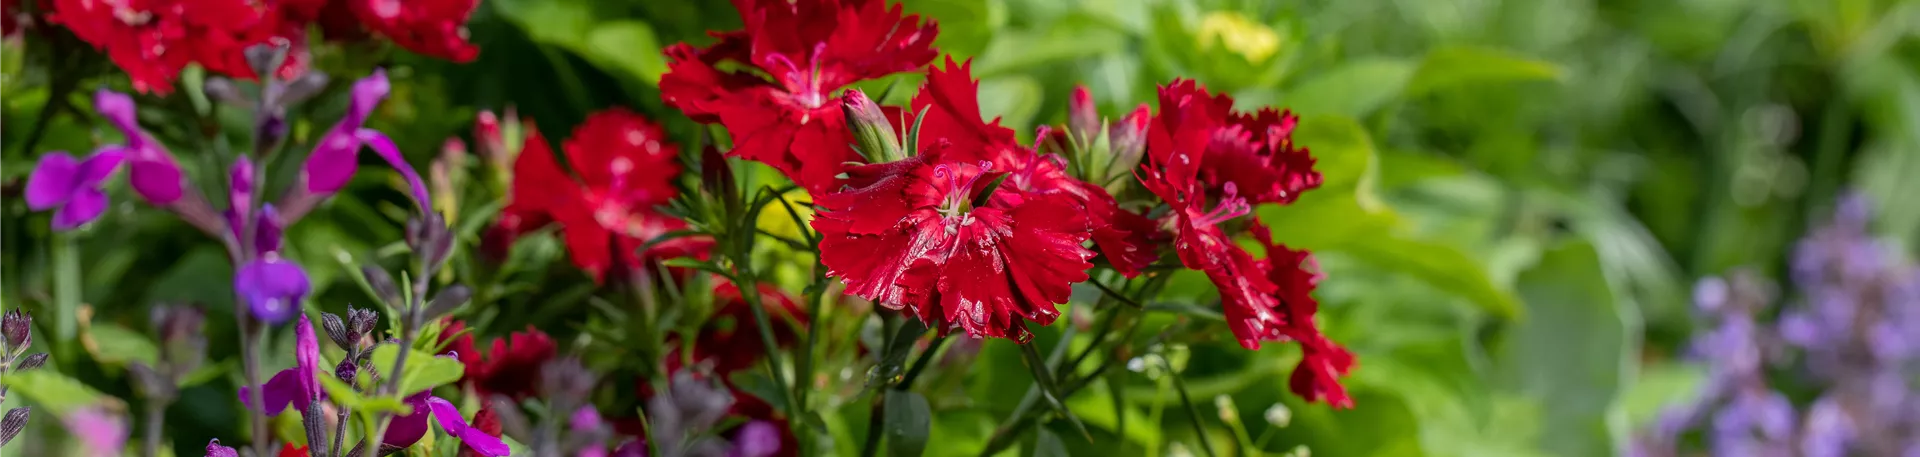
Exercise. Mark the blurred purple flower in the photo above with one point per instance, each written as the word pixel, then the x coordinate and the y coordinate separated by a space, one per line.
pixel 408 429
pixel 214 449
pixel 298 386
pixel 72 187
pixel 335 157
pixel 152 170
pixel 756 439
pixel 101 433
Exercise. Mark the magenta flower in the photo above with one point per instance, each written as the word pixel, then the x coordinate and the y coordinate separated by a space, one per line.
pixel 298 386
pixel 336 156
pixel 72 187
pixel 214 449
pixel 99 432
pixel 408 429
pixel 151 169
pixel 272 288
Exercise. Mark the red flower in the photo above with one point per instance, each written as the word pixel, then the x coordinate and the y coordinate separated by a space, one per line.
pixel 436 28
pixel 511 367
pixel 289 450
pixel 152 40
pixel 809 50
pixel 731 338
pixel 1256 154
pixel 907 236
pixel 626 168
pixel 487 422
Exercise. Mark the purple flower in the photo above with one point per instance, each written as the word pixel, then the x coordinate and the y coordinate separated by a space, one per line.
pixel 585 418
pixel 336 156
pixel 152 170
pixel 756 439
pixel 214 449
pixel 272 288
pixel 72 187
pixel 298 386
pixel 100 433
pixel 408 429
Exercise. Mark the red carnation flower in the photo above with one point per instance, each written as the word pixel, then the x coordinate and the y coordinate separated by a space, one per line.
pixel 731 338
pixel 808 50
pixel 511 367
pixel 626 168
pixel 152 40
pixel 436 28
pixel 907 236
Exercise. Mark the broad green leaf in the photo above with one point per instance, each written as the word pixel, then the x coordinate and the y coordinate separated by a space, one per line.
pixel 630 47
pixel 1352 89
pixel 1444 266
pixel 1660 386
pixel 423 370
pixel 1452 66
pixel 1571 349
pixel 909 421
pixel 339 392
pixel 560 22
pixel 114 345
pixel 55 392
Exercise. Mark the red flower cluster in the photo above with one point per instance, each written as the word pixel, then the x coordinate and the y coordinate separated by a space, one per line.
pixel 809 50
pixel 1203 151
pixel 915 234
pixel 511 367
pixel 152 40
pixel 625 168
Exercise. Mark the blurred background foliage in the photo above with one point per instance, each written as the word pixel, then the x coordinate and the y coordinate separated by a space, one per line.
pixel 1518 195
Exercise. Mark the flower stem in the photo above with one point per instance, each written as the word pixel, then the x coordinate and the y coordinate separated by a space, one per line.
pixel 252 337
pixel 66 292
pixel 156 411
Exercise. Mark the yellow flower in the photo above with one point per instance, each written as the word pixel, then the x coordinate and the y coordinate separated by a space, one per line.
pixel 1249 39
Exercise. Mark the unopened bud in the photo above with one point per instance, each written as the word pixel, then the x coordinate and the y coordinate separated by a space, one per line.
pixel 1279 416
pixel 346 371
pixel 1229 413
pixel 1128 139
pixel 336 330
pixel 716 176
pixel 225 91
pixel 871 131
pixel 361 321
pixel 13 423
pixel 17 327
pixel 304 87
pixel 1082 118
pixel 446 174
pixel 31 362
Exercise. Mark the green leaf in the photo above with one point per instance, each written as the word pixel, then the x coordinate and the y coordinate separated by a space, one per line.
pixel 56 393
pixel 1660 386
pixel 1571 349
pixel 893 358
pixel 423 370
pixel 560 22
pixel 1352 89
pixel 112 344
pixel 909 420
pixel 630 47
pixel 1452 66
pixel 339 392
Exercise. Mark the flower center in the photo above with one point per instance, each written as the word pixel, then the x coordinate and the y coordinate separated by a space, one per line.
pixel 1231 206
pixel 1023 179
pixel 804 84
pixel 958 196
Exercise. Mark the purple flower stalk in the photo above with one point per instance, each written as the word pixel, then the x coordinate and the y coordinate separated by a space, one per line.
pixel 298 386
pixel 72 187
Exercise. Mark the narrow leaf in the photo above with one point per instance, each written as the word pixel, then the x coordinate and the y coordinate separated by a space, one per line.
pixel 909 421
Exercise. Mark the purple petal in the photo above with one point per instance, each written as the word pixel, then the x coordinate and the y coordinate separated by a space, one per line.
pixel 267 232
pixel 53 181
pixel 277 393
pixel 101 432
pixel 333 160
pixel 406 430
pixel 97 167
pixel 214 449
pixel 306 356
pixel 272 288
pixel 240 188
pixel 485 444
pixel 119 109
pixel 86 205
pixel 155 176
pixel 367 93
pixel 756 439
pixel 585 418
pixel 447 415
pixel 384 147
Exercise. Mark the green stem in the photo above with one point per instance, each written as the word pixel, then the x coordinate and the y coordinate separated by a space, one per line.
pixel 66 292
pixel 1193 412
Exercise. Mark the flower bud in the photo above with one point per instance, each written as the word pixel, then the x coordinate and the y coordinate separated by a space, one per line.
pixel 31 362
pixel 346 371
pixel 17 327
pixel 337 331
pixel 13 423
pixel 1082 120
pixel 361 321
pixel 872 134
pixel 1128 138
pixel 716 176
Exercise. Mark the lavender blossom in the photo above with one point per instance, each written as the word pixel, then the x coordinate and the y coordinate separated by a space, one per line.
pixel 298 386
pixel 71 187
pixel 101 433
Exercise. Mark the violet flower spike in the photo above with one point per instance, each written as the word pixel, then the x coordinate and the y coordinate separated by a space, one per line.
pixel 406 430
pixel 333 160
pixel 298 386
pixel 272 287
pixel 72 188
pixel 214 449
pixel 100 433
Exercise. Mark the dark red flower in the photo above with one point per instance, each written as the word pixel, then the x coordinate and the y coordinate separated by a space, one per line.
pixel 808 50
pixel 289 450
pixel 730 338
pixel 435 28
pixel 152 40
pixel 1256 154
pixel 511 367
pixel 1177 142
pixel 626 168
pixel 487 422
pixel 907 236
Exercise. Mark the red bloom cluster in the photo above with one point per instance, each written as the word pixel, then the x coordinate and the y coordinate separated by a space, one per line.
pixel 809 50
pixel 152 40
pixel 1203 151
pixel 626 168
pixel 510 367
pixel 914 235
